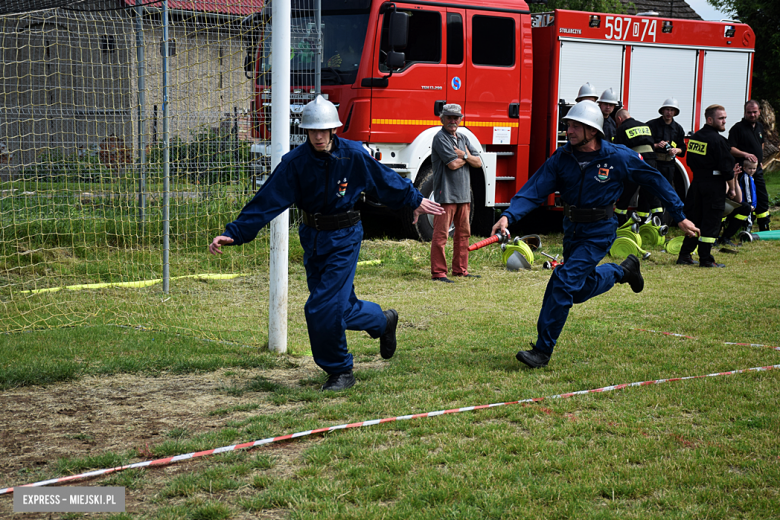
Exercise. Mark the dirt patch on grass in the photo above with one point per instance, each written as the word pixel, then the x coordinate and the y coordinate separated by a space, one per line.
pixel 123 412
pixel 117 413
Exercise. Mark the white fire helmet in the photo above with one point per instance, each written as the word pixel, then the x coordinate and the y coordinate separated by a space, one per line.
pixel 587 90
pixel 588 113
pixel 320 114
pixel 670 103
pixel 609 97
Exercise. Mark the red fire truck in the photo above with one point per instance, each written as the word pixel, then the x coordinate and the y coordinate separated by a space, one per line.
pixel 391 66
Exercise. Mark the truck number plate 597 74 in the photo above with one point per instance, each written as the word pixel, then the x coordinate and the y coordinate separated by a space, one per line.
pixel 622 28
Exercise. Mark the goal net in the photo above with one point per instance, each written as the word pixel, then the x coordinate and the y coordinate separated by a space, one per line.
pixel 83 110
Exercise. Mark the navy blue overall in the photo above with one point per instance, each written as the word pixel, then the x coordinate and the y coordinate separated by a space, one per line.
pixel 329 184
pixel 596 185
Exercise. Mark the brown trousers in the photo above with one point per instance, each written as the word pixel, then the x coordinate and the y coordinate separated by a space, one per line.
pixel 459 215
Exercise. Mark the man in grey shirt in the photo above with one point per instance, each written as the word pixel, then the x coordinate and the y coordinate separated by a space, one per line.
pixel 451 155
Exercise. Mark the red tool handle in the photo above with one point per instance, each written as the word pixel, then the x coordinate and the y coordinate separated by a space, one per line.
pixel 482 243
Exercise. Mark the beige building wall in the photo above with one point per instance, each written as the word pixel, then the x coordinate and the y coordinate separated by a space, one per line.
pixel 69 80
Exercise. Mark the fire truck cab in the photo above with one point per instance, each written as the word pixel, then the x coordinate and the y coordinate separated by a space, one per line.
pixel 476 53
pixel 391 66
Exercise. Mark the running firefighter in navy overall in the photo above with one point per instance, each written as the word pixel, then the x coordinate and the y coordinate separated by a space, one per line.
pixel 589 173
pixel 324 178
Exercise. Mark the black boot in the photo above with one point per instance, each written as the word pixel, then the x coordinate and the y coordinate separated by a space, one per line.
pixel 533 358
pixel 631 274
pixel 387 342
pixel 686 260
pixel 338 382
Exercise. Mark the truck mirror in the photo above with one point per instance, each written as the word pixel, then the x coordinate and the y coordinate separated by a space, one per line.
pixel 249 60
pixel 398 33
pixel 395 60
pixel 397 39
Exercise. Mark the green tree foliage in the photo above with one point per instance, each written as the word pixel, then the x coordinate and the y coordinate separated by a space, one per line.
pixel 596 6
pixel 763 16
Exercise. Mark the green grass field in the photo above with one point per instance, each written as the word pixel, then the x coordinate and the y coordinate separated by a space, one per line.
pixel 704 448
pixel 772 179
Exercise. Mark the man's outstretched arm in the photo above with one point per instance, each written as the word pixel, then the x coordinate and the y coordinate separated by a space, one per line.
pixel 222 240
pixel 427 206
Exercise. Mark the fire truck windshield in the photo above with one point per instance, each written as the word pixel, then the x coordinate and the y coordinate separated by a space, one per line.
pixel 342 46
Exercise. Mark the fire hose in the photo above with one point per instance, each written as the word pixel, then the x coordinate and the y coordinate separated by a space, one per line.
pixel 498 237
pixel 517 255
pixel 746 236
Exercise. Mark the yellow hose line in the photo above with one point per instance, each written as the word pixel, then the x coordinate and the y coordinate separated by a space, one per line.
pixel 132 285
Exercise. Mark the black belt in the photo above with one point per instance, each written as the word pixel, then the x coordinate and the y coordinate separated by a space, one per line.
pixel 580 215
pixel 322 222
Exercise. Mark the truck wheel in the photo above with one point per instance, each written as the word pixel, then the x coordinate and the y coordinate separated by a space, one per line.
pixel 482 218
pixel 423 229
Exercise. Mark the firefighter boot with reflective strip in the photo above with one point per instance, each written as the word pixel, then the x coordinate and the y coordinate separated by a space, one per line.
pixel 762 220
pixel 705 252
pixel 622 216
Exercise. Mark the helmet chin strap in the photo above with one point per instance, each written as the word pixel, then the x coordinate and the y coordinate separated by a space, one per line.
pixel 585 141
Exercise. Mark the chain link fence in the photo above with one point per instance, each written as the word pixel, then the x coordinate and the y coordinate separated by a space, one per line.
pixel 83 199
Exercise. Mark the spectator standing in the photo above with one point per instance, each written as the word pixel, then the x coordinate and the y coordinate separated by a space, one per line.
pixel 668 139
pixel 451 156
pixel 637 136
pixel 710 160
pixel 607 103
pixel 586 92
pixel 747 142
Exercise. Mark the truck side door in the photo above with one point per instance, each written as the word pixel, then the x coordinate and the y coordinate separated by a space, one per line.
pixel 493 67
pixel 455 87
pixel 403 109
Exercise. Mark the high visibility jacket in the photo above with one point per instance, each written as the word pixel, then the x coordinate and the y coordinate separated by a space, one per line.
pixel 636 136
pixel 709 156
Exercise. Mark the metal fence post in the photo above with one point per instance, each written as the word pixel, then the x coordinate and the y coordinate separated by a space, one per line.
pixel 166 159
pixel 139 38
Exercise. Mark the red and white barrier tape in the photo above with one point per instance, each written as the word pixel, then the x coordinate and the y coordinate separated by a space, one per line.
pixel 224 449
pixel 666 333
pixel 725 342
pixel 752 345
